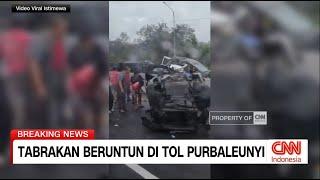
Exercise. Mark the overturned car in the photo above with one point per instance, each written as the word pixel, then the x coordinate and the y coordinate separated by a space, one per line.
pixel 178 94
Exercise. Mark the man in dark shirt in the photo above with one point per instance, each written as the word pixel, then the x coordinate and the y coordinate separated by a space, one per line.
pixel 87 72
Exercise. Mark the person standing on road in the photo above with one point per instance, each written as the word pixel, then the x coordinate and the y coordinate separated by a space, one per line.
pixel 53 60
pixel 23 81
pixel 121 93
pixel 127 83
pixel 87 73
pixel 137 83
pixel 114 86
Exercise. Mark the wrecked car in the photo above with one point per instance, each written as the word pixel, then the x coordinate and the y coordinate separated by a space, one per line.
pixel 178 95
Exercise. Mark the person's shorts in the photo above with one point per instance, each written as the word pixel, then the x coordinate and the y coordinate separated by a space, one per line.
pixel 137 92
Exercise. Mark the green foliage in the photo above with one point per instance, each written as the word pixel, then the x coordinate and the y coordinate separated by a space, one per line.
pixel 120 49
pixel 155 41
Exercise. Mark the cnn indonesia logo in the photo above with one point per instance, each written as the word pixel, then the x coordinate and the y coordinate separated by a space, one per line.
pixel 286 151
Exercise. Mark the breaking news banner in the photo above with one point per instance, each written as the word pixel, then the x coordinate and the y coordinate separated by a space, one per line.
pixel 238 117
pixel 40 8
pixel 80 147
pixel 49 134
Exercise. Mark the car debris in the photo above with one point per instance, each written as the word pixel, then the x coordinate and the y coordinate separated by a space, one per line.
pixel 178 94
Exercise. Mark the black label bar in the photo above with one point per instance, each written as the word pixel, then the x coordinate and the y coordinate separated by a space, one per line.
pixel 36 8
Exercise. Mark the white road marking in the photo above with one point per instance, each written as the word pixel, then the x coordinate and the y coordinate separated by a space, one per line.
pixel 141 171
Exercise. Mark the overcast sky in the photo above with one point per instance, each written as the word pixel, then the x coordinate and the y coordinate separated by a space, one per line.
pixel 130 16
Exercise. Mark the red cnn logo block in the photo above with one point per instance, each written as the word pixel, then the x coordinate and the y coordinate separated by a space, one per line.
pixel 282 147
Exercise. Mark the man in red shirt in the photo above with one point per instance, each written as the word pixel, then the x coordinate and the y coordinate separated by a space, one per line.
pixel 53 59
pixel 21 73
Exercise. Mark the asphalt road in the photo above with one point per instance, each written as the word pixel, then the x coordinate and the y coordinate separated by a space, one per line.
pixel 54 171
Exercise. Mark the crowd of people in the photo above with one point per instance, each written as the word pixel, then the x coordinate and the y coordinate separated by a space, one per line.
pixel 50 78
pixel 125 86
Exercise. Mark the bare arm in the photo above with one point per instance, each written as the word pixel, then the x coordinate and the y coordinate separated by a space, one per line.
pixel 36 77
pixel 121 86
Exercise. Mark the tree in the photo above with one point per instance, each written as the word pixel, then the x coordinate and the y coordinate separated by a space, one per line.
pixel 124 38
pixel 120 49
pixel 205 55
pixel 186 41
pixel 156 40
